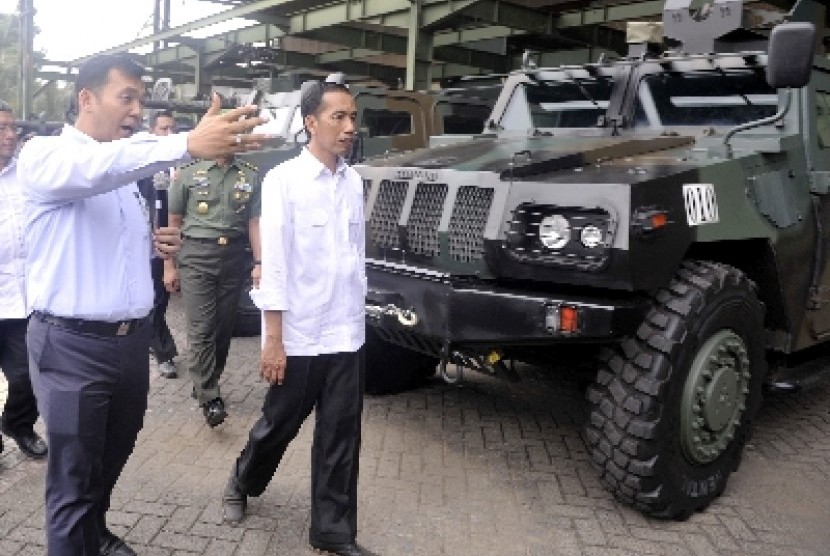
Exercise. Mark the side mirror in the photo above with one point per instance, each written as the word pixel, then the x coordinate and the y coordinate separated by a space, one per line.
pixel 790 54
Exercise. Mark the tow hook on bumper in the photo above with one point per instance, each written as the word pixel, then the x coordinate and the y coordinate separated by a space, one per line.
pixel 406 317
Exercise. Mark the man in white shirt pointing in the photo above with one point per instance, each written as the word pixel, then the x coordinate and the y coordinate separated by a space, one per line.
pixel 312 292
pixel 90 289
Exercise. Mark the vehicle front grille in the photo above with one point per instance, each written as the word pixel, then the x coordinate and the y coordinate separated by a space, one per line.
pixel 383 224
pixel 422 207
pixel 469 217
pixel 422 227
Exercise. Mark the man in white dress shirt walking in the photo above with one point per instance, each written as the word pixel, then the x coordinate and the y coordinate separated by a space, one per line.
pixel 312 292
pixel 90 290
pixel 20 411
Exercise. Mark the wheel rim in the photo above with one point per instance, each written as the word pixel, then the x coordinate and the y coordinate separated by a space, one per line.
pixel 714 397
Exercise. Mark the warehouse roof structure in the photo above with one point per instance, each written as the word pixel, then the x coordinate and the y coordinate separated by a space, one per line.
pixel 405 43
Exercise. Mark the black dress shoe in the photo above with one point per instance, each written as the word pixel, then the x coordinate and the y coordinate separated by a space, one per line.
pixel 339 549
pixel 234 502
pixel 112 545
pixel 214 412
pixel 29 443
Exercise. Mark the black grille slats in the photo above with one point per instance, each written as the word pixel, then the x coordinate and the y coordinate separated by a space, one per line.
pixel 469 217
pixel 383 224
pixel 420 234
pixel 424 218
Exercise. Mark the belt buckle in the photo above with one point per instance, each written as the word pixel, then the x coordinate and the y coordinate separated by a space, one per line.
pixel 222 240
pixel 123 328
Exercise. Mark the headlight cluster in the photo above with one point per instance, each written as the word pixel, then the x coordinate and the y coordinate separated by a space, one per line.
pixel 573 237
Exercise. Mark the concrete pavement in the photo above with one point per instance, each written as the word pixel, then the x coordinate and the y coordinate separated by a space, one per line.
pixel 488 468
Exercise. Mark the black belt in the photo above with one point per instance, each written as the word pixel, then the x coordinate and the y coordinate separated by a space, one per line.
pixel 221 240
pixel 96 327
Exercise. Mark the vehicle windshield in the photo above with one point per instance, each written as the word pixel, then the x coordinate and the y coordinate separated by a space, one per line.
pixel 707 98
pixel 557 104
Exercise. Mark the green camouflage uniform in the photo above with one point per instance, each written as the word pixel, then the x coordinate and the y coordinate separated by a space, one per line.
pixel 216 203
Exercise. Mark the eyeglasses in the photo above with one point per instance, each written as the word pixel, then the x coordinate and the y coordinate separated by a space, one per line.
pixel 9 128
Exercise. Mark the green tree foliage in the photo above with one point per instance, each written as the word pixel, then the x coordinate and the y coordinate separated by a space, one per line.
pixel 9 58
pixel 51 100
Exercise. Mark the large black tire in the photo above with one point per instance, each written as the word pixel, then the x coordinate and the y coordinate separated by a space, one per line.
pixel 391 369
pixel 672 407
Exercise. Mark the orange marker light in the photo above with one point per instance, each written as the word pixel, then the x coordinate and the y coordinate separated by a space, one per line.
pixel 569 322
pixel 659 220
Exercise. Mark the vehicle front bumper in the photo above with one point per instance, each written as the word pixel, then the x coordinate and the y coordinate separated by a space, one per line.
pixel 410 301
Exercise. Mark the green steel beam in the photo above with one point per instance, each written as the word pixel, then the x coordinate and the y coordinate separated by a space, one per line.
pixel 460 36
pixel 214 45
pixel 449 54
pixel 360 38
pixel 419 50
pixel 447 45
pixel 570 57
pixel 485 61
pixel 447 71
pixel 510 15
pixel 175 32
pixel 347 54
pixel 434 16
pixel 342 12
pixel 290 59
pixel 386 12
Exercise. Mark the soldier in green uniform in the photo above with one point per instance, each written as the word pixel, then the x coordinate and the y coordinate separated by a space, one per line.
pixel 216 205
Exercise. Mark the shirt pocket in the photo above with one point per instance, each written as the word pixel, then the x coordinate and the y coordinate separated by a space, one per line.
pixel 313 256
pixel 203 200
pixel 355 223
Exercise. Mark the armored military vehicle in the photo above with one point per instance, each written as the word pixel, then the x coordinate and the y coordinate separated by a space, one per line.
pixel 671 205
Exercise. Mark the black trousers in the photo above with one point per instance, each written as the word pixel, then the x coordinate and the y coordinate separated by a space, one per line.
pixel 161 342
pixel 92 394
pixel 333 383
pixel 20 411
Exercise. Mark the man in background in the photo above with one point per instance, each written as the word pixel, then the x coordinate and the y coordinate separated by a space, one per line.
pixel 20 411
pixel 216 203
pixel 154 190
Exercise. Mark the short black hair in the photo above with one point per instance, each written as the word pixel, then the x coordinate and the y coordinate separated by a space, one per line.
pixel 5 106
pixel 154 117
pixel 311 92
pixel 94 73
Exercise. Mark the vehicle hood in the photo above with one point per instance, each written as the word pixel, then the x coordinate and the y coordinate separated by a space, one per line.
pixel 526 157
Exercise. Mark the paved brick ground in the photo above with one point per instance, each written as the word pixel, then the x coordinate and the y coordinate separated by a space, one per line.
pixel 484 469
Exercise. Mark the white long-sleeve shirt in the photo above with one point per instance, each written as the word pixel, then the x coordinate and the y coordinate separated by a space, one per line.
pixel 12 247
pixel 87 233
pixel 313 255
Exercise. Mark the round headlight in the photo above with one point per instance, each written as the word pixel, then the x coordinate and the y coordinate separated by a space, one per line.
pixel 591 236
pixel 554 231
